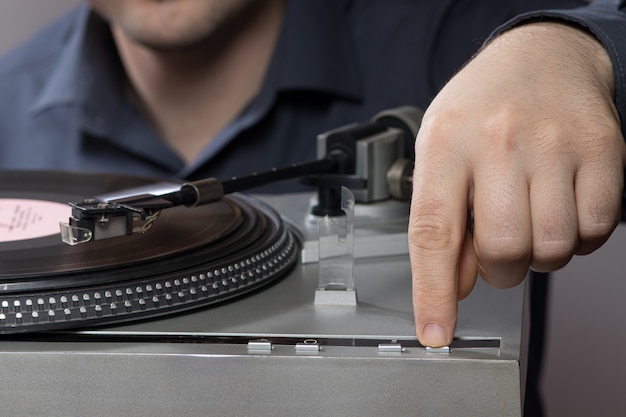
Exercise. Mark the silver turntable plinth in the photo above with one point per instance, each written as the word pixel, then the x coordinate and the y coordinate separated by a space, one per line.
pixel 275 353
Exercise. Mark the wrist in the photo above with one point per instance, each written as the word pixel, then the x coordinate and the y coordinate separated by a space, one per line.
pixel 559 45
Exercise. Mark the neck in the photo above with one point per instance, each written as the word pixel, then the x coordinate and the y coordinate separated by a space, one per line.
pixel 191 94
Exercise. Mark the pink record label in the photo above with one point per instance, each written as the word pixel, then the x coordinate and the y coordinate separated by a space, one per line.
pixel 22 219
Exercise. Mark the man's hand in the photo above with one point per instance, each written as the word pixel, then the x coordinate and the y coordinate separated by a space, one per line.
pixel 527 138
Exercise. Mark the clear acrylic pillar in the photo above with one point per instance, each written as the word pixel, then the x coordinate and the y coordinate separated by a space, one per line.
pixel 336 256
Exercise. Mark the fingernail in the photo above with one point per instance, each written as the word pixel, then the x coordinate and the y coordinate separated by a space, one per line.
pixel 434 335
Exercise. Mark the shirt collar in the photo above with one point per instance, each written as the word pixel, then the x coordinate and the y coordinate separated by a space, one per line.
pixel 88 57
pixel 59 87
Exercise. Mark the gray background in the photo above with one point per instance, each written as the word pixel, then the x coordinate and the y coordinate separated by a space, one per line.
pixel 586 353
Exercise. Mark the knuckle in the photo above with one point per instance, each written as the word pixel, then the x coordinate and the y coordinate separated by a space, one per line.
pixel 500 129
pixel 597 227
pixel 499 122
pixel 504 249
pixel 436 133
pixel 509 281
pixel 433 233
pixel 553 254
pixel 555 236
pixel 600 214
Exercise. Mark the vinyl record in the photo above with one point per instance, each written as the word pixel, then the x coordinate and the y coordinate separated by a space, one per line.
pixel 190 257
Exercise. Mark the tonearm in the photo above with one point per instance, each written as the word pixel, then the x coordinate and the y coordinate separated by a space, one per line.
pixel 373 159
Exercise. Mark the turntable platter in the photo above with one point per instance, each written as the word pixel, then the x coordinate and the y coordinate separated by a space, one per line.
pixel 190 257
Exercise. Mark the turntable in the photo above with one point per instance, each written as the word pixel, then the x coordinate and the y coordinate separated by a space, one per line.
pixel 216 310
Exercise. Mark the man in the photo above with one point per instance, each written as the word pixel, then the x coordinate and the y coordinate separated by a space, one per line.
pixel 527 135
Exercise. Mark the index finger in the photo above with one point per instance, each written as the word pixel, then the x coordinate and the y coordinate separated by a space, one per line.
pixel 437 228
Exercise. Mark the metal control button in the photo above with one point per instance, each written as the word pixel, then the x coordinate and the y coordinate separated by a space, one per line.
pixel 390 347
pixel 309 345
pixel 443 349
pixel 260 345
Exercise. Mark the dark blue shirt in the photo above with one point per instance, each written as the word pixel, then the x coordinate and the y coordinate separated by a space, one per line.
pixel 336 61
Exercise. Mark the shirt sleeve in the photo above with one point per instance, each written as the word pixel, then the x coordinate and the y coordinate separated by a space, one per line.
pixel 606 19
